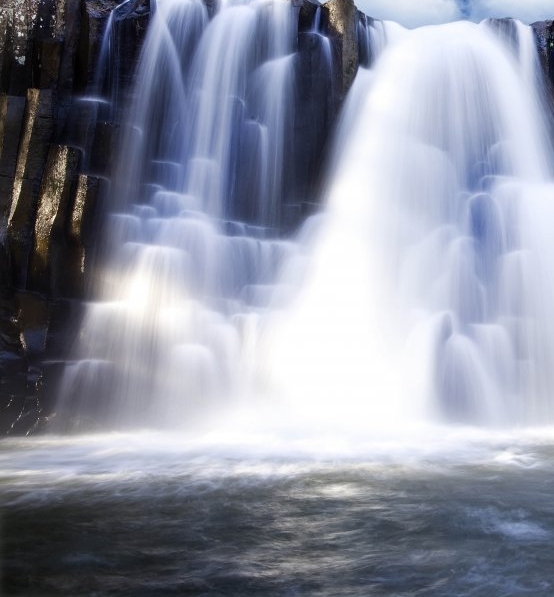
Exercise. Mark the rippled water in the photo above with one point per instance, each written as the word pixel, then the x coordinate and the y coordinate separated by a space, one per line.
pixel 438 513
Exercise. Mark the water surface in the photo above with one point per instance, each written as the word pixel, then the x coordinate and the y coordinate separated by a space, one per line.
pixel 149 514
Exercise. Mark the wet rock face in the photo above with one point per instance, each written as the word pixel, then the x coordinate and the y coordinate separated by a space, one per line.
pixel 341 19
pixel 314 114
pixel 53 212
pixel 128 28
pixel 544 34
pixel 307 11
pixel 30 42
pixel 35 134
pixel 332 45
pixel 48 192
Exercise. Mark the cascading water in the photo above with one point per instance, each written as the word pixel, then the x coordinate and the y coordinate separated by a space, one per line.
pixel 425 293
pixel 204 152
pixel 418 293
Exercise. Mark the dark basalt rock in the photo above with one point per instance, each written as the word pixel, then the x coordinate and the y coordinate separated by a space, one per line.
pixel 53 212
pixel 314 115
pixel 544 34
pixel 48 197
pixel 307 11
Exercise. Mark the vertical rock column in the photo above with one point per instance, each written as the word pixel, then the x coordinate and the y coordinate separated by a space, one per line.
pixel 48 56
pixel 314 111
pixel 544 34
pixel 33 147
pixel 80 236
pixel 341 19
pixel 326 64
pixel 53 211
pixel 11 119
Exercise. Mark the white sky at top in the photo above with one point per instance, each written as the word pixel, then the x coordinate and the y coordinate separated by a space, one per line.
pixel 527 11
pixel 413 13
pixel 410 13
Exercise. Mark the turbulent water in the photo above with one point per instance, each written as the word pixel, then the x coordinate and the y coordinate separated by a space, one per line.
pixel 440 514
pixel 315 384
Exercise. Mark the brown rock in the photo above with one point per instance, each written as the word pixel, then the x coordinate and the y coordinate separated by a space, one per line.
pixel 31 156
pixel 80 234
pixel 342 18
pixel 53 211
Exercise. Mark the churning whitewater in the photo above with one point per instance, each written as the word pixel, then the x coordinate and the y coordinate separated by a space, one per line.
pixel 420 292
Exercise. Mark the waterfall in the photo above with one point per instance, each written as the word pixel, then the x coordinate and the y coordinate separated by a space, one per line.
pixel 425 292
pixel 420 292
pixel 193 246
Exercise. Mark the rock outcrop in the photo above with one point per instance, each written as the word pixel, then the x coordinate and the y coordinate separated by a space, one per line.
pixel 544 34
pixel 55 147
pixel 341 18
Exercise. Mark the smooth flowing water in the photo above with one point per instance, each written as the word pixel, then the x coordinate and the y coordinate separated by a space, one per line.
pixel 350 410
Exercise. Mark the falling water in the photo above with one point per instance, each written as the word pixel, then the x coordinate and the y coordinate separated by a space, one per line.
pixel 426 291
pixel 193 247
pixel 372 37
pixel 419 293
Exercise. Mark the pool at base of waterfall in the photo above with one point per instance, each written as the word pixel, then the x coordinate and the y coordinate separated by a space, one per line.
pixel 436 512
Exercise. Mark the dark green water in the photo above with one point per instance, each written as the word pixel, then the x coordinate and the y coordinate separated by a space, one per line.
pixel 146 515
